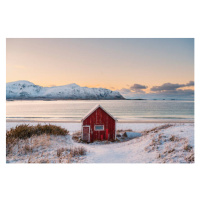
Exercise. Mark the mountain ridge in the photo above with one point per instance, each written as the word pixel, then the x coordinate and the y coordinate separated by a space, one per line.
pixel 26 90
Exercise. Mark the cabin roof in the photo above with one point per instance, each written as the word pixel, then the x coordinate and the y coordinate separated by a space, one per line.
pixel 95 108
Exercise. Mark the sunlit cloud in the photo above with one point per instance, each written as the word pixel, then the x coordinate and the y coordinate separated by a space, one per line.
pixel 164 91
pixel 138 88
pixel 191 83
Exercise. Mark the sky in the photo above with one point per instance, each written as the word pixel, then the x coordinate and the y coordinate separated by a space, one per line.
pixel 137 68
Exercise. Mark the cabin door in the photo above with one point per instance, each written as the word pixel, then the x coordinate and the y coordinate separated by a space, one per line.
pixel 86 133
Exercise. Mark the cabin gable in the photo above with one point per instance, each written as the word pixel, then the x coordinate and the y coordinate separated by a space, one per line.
pixel 102 125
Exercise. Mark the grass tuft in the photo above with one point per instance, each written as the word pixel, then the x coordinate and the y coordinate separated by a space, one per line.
pixel 187 147
pixel 190 158
pixel 25 131
pixel 76 151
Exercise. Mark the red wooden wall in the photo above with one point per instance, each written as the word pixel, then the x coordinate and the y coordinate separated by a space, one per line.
pixel 100 117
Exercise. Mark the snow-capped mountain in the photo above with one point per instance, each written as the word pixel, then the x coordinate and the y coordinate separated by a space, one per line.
pixel 28 90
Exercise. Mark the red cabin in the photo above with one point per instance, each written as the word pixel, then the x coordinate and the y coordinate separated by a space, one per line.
pixel 98 124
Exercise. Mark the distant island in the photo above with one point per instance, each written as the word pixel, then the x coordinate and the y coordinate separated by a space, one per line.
pixel 25 90
pixel 136 99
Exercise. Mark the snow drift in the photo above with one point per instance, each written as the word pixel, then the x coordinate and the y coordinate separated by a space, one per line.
pixel 133 134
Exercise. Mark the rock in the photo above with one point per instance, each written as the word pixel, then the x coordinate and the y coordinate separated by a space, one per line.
pixel 125 135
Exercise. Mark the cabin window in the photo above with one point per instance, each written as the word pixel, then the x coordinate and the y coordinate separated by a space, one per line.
pixel 99 127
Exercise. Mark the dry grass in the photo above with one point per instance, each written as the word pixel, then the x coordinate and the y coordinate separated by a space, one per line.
pixel 190 158
pixel 187 147
pixel 76 151
pixel 23 132
pixel 68 155
pixel 60 151
pixel 77 137
pixel 157 129
pixel 45 149
pixel 26 131
pixel 44 161
pixel 170 148
pixel 37 144
pixel 155 143
pixel 173 138
pixel 29 145
pixel 23 139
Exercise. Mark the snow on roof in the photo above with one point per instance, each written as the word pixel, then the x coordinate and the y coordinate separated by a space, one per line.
pixel 95 108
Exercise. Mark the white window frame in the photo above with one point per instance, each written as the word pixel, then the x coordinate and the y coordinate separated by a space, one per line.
pixel 98 129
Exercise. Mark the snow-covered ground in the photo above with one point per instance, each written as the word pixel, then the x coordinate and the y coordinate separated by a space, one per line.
pixel 137 150
pixel 183 131
pixel 159 143
pixel 74 127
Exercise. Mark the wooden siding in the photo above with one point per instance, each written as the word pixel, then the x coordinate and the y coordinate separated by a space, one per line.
pixel 100 117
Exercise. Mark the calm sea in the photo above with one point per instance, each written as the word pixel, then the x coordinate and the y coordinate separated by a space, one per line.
pixel 123 110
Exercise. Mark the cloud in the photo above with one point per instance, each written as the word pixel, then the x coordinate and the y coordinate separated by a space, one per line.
pixel 124 91
pixel 191 83
pixel 166 86
pixel 165 91
pixel 178 92
pixel 138 88
pixel 170 86
pixel 127 93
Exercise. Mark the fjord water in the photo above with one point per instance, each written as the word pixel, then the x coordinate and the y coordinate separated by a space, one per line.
pixel 123 110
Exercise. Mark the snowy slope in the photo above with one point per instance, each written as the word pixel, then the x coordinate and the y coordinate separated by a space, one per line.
pixel 28 90
pixel 152 147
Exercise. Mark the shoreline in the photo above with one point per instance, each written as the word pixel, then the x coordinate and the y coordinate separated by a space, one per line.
pixel 136 121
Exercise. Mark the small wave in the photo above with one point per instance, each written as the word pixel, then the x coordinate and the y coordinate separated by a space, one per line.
pixel 166 117
pixel 43 117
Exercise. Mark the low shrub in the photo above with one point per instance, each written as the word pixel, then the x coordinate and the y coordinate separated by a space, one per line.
pixel 26 131
pixel 76 151
pixel 171 150
pixel 60 151
pixel 44 161
pixel 190 158
pixel 187 147
pixel 76 136
pixel 28 148
pixel 173 138
pixel 82 151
